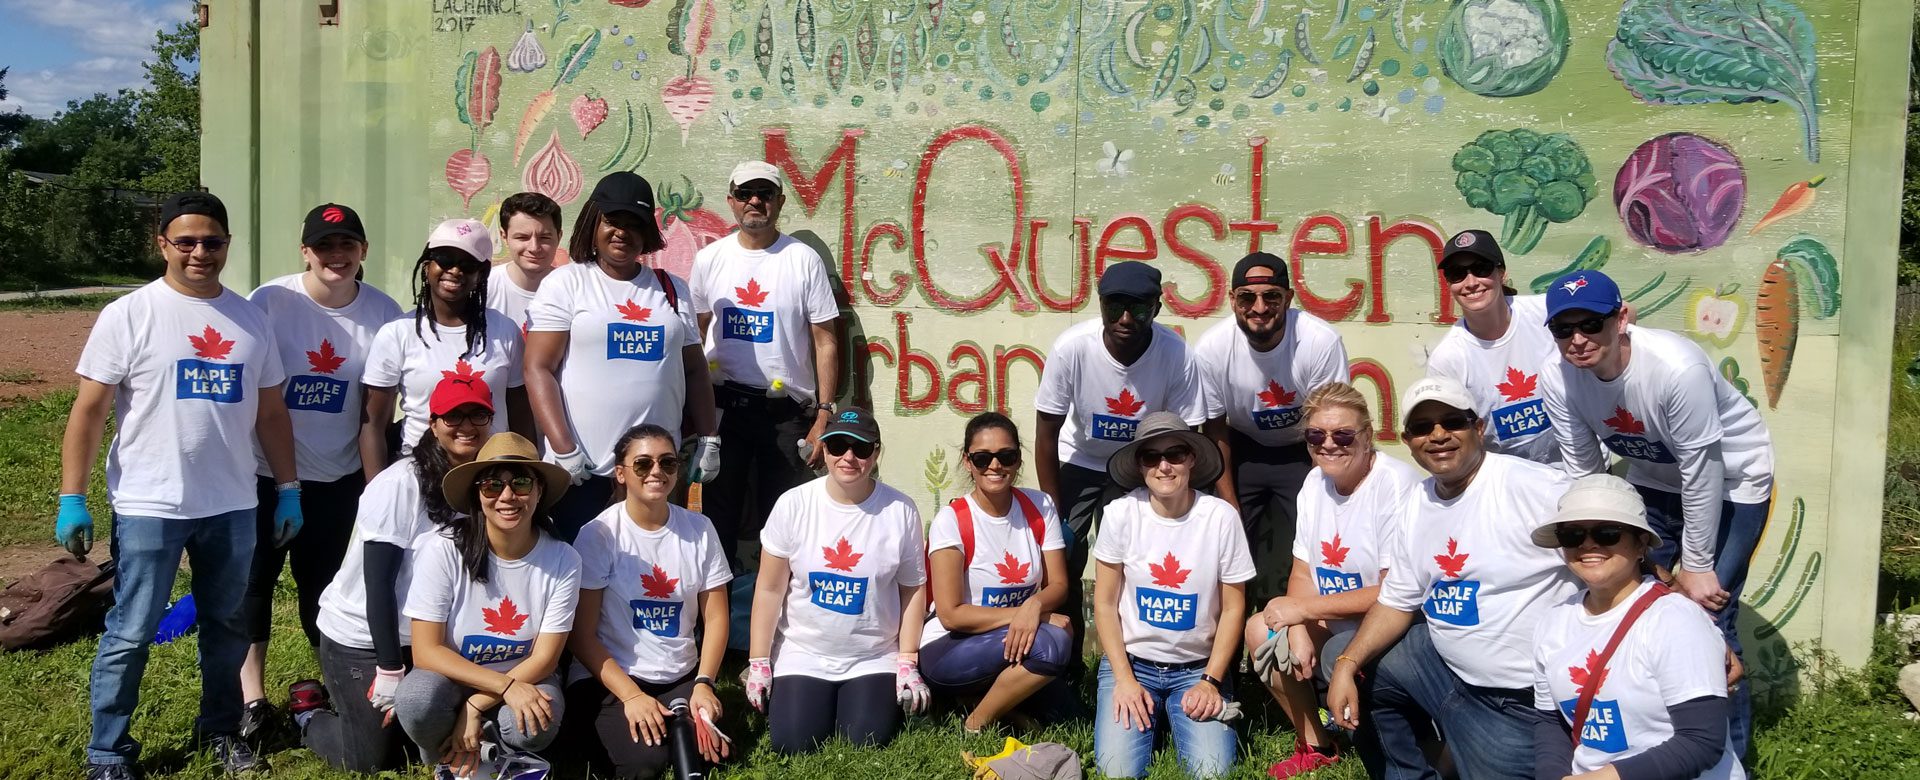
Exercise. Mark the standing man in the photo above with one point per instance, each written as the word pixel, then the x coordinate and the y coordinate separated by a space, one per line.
pixel 530 228
pixel 1100 379
pixel 1256 372
pixel 1695 448
pixel 1469 563
pixel 1498 349
pixel 190 371
pixel 767 308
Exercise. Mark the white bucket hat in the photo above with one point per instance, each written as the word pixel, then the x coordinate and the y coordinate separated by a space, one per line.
pixel 1596 497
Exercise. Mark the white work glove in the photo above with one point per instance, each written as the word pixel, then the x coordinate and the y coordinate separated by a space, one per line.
pixel 576 463
pixel 758 680
pixel 706 460
pixel 1273 659
pixel 385 683
pixel 909 689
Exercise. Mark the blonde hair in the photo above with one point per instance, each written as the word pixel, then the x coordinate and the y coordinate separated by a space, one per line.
pixel 1337 395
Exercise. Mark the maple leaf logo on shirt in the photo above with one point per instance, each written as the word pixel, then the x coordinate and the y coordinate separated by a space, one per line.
pixel 1519 384
pixel 505 621
pixel 1333 552
pixel 658 585
pixel 463 371
pixel 842 556
pixel 1623 422
pixel 1124 404
pixel 1453 561
pixel 325 361
pixel 634 311
pixel 1588 678
pixel 210 345
pixel 1168 573
pixel 1275 396
pixel 1012 571
pixel 750 295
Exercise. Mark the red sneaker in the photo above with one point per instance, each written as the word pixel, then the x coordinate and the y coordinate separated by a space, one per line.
pixel 306 696
pixel 1304 759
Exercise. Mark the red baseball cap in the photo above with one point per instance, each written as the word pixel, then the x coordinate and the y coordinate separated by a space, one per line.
pixel 456 391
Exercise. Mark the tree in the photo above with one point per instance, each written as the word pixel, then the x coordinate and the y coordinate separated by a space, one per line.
pixel 11 122
pixel 169 114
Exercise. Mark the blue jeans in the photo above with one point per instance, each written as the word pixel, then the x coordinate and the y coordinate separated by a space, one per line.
pixel 1741 526
pixel 147 552
pixel 1410 689
pixel 1207 748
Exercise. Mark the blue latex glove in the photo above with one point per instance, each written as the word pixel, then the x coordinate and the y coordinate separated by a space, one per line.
pixel 74 527
pixel 287 517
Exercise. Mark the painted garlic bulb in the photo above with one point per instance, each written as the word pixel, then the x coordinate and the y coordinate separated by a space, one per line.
pixel 527 56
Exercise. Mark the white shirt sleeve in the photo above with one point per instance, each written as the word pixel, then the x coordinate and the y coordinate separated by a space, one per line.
pixel 1543 690
pixel 697 282
pixel 384 356
pixel 387 511
pixel 718 572
pixel 913 549
pixel 1058 378
pixel 1580 452
pixel 563 594
pixel 274 372
pixel 685 311
pixel 105 357
pixel 778 536
pixel 1052 537
pixel 596 556
pixel 516 353
pixel 1332 368
pixel 1186 397
pixel 551 309
pixel 1689 657
pixel 1110 545
pixel 1405 587
pixel 945 530
pixel 436 572
pixel 1212 370
pixel 1693 428
pixel 821 306
pixel 1236 562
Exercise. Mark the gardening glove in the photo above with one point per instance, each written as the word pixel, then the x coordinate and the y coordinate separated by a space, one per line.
pixel 1229 711
pixel 909 689
pixel 1273 659
pixel 758 680
pixel 576 463
pixel 73 529
pixel 287 515
pixel 385 682
pixel 706 460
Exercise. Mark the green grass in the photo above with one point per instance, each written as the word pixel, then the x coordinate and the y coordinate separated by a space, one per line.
pixel 78 280
pixel 30 433
pixel 1900 529
pixel 51 303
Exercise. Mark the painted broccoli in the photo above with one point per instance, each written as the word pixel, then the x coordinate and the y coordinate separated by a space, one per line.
pixel 1530 178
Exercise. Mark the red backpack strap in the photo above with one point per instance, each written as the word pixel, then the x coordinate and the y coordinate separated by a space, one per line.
pixel 666 285
pixel 963 514
pixel 1599 665
pixel 1035 523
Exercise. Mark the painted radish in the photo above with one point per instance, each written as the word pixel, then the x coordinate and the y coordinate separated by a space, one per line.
pixel 686 98
pixel 467 173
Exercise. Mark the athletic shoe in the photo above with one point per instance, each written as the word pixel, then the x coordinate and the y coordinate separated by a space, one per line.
pixel 112 772
pixel 235 757
pixel 304 698
pixel 256 720
pixel 1304 759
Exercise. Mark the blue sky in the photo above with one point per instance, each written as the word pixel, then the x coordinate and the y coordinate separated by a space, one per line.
pixel 61 50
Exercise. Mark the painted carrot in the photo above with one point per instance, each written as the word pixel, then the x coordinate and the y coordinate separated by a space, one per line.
pixel 1798 197
pixel 1776 315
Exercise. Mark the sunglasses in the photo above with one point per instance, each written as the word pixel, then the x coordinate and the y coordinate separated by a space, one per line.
pixel 1606 535
pixel 475 419
pixel 744 194
pixel 1174 456
pixel 1274 299
pixel 981 459
pixel 1452 421
pixel 1458 272
pixel 643 464
pixel 1589 326
pixel 1111 309
pixel 838 446
pixel 491 487
pixel 1345 437
pixel 187 245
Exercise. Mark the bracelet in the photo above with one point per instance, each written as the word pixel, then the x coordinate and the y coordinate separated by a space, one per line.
pixel 1211 680
pixel 707 681
pixel 1356 664
pixel 510 682
pixel 286 486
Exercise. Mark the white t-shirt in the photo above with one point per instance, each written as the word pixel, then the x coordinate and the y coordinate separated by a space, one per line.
pixel 842 615
pixel 1174 567
pixel 391 512
pixel 1471 565
pixel 416 363
pixel 508 298
pixel 624 363
pixel 1261 393
pixel 324 351
pixel 1008 564
pixel 1347 540
pixel 653 581
pixel 495 623
pixel 1669 397
pixel 186 374
pixel 1504 377
pixel 1671 655
pixel 764 304
pixel 1103 401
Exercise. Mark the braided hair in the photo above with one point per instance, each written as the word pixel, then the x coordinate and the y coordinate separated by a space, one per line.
pixel 473 311
pixel 584 246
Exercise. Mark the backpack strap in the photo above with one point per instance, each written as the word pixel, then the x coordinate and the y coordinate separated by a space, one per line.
pixel 666 286
pixel 1599 665
pixel 963 513
pixel 1035 523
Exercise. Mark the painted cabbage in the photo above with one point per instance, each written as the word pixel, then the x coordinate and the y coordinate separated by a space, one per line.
pixel 1680 193
pixel 1503 48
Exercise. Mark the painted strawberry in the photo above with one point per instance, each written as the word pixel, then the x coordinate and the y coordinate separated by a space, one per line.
pixel 210 345
pixel 1275 396
pixel 842 556
pixel 1124 404
pixel 1333 553
pixel 658 585
pixel 1519 384
pixel 1168 573
pixel 750 295
pixel 588 113
pixel 1590 677
pixel 1012 571
pixel 1453 561
pixel 462 370
pixel 325 361
pixel 634 311
pixel 1623 422
pixel 505 621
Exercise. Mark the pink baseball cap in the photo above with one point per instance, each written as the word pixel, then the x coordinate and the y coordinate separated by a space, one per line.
pixel 467 235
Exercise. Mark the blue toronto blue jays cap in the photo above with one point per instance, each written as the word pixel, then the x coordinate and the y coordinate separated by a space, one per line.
pixel 1585 290
pixel 855 422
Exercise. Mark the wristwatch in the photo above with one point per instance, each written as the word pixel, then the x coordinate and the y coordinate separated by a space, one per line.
pixel 1208 678
pixel 826 406
pixel 705 680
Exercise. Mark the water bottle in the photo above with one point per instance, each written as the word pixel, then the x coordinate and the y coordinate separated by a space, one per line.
pixel 684 743
pixel 178 622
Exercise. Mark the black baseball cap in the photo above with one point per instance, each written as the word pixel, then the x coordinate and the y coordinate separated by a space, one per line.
pixel 1473 244
pixel 332 219
pixel 1267 260
pixel 855 422
pixel 623 191
pixel 1131 280
pixel 189 203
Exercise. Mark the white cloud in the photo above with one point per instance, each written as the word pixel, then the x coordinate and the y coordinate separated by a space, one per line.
pixel 43 92
pixel 118 34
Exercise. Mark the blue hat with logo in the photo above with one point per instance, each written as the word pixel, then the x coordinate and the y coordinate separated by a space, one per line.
pixel 1585 290
pixel 855 422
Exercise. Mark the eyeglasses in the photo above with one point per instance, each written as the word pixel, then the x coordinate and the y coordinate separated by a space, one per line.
pixel 491 487
pixel 475 419
pixel 1174 456
pixel 1452 421
pixel 1589 326
pixel 1605 535
pixel 187 245
pixel 981 459
pixel 838 446
pixel 1458 272
pixel 744 194
pixel 643 464
pixel 1344 437
pixel 1112 308
pixel 1274 299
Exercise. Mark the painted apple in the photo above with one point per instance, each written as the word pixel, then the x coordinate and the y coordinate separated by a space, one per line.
pixel 1715 316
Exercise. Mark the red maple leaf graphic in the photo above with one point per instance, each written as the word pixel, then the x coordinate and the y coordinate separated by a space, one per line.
pixel 1622 421
pixel 505 621
pixel 462 370
pixel 1275 396
pixel 842 556
pixel 210 345
pixel 658 585
pixel 1519 384
pixel 1333 552
pixel 1588 678
pixel 1124 404
pixel 750 295
pixel 634 311
pixel 1168 573
pixel 1453 561
pixel 325 361
pixel 1012 571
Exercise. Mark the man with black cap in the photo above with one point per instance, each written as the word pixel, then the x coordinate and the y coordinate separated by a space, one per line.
pixel 767 307
pixel 191 373
pixel 1256 372
pixel 1498 348
pixel 1101 378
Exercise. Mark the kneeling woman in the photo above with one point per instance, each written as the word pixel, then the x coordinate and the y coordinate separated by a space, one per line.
pixel 1169 599
pixel 838 605
pixel 492 601
pixel 999 571
pixel 1656 708
pixel 650 573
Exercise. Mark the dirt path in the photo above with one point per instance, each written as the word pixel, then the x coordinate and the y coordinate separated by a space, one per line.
pixel 38 350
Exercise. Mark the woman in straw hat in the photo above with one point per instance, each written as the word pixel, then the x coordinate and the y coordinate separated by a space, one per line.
pixel 1169 601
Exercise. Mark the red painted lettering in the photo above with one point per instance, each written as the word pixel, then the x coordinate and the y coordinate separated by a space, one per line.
pixel 1003 359
pixel 1002 265
pixel 1380 238
pixel 1254 225
pixel 1371 370
pixel 976 376
pixel 1216 278
pixel 813 187
pixel 1305 244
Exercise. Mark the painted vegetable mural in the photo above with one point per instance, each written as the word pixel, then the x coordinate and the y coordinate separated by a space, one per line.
pixel 1803 274
pixel 476 89
pixel 1530 178
pixel 1797 198
pixel 1503 48
pixel 1680 192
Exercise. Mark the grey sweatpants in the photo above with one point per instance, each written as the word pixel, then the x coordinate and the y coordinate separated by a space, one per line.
pixel 428 704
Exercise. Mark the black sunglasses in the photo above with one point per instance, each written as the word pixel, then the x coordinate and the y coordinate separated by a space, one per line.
pixel 475 419
pixel 1452 421
pixel 1174 456
pixel 1009 458
pixel 1112 308
pixel 187 245
pixel 491 487
pixel 1589 326
pixel 1605 535
pixel 1274 299
pixel 1344 437
pixel 643 464
pixel 744 194
pixel 838 446
pixel 1458 272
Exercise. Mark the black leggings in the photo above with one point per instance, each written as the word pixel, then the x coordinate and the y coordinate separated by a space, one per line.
pixel 328 509
pixel 805 711
pixel 591 707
